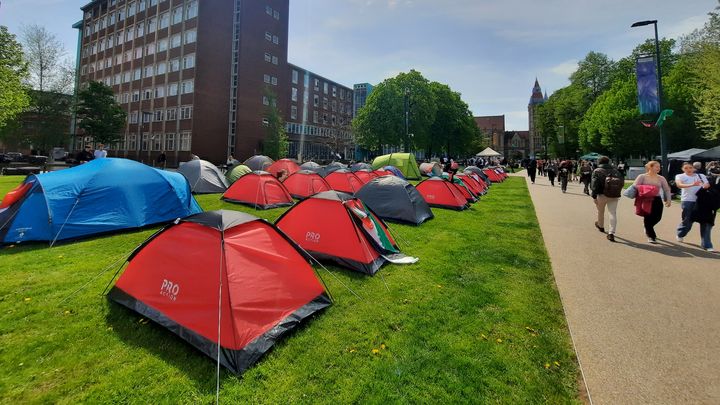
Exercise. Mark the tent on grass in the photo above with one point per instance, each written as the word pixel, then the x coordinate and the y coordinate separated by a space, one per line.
pixel 344 180
pixel 464 190
pixel 405 162
pixel 365 175
pixel 312 166
pixel 488 152
pixel 236 172
pixel 103 195
pixel 288 165
pixel 392 170
pixel 479 172
pixel 203 176
pixel 305 183
pixel 395 199
pixel 258 162
pixel 261 190
pixel 471 183
pixel 493 175
pixel 440 193
pixel 361 166
pixel 332 167
pixel 339 227
pixel 226 273
pixel 431 169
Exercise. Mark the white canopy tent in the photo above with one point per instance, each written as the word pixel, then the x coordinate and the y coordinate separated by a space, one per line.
pixel 488 152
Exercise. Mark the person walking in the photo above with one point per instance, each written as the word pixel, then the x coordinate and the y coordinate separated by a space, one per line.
pixel 651 177
pixel 532 169
pixel 551 170
pixel 606 185
pixel 586 175
pixel 564 173
pixel 690 183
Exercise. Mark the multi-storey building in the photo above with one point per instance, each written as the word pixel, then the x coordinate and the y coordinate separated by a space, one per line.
pixel 193 76
pixel 361 92
pixel 492 128
pixel 320 111
pixel 537 98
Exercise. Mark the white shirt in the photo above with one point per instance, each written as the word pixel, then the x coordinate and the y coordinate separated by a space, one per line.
pixel 688 193
pixel 100 153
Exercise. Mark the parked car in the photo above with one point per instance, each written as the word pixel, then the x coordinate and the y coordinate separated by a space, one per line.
pixel 37 159
pixel 13 156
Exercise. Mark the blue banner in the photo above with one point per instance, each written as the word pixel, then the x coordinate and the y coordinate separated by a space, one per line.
pixel 647 84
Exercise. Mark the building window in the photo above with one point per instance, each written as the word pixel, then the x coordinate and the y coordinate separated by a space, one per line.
pixel 265 122
pixel 136 95
pixel 118 59
pixel 127 56
pixel 185 141
pixel 164 20
pixel 294 76
pixel 316 100
pixel 150 49
pixel 151 25
pixel 174 65
pixel 273 80
pixel 141 5
pixel 149 71
pixel 175 41
pixel 170 142
pixel 172 89
pixel 126 98
pixel 276 40
pixel 121 15
pixel 190 36
pixel 266 78
pixel 334 91
pixel 325 88
pixel 138 53
pixel 137 74
pixel 293 112
pixel 268 57
pixel 276 14
pixel 118 79
pixel 186 112
pixel 317 84
pixel 187 86
pixel 191 9
pixel 294 94
pixel 131 9
pixel 132 143
pixel 134 117
pixel 171 114
pixel 161 68
pixel 159 91
pixel 146 117
pixel 177 15
pixel 129 34
pixel 315 117
pixel 126 77
pixel 268 10
pixel 144 145
pixel 334 105
pixel 325 103
pixel 265 100
pixel 189 61
pixel 268 36
pixel 159 115
pixel 139 30
pixel 162 45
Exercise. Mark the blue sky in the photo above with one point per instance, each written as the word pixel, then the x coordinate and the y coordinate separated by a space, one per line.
pixel 490 51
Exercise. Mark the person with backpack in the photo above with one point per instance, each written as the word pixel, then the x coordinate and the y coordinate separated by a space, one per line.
pixel 564 173
pixel 606 184
pixel 585 175
pixel 532 169
pixel 551 170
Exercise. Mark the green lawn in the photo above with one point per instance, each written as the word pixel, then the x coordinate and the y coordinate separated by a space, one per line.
pixel 477 319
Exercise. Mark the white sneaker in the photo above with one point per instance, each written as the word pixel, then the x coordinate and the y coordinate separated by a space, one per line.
pixel 651 240
pixel 711 250
pixel 679 239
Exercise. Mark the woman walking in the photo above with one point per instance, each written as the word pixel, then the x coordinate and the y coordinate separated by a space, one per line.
pixel 551 170
pixel 652 178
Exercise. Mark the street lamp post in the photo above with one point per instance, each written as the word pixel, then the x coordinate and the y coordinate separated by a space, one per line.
pixel 663 147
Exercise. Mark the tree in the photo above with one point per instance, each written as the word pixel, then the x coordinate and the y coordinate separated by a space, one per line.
pixel 453 129
pixel 594 73
pixel 276 140
pixel 99 115
pixel 13 70
pixel 49 71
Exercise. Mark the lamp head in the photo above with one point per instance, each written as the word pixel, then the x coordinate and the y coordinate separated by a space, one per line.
pixel 642 23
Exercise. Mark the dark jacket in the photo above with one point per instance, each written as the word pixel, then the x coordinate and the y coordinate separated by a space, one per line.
pixel 708 202
pixel 597 179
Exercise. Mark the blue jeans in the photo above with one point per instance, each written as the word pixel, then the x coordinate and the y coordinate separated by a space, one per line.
pixel 686 224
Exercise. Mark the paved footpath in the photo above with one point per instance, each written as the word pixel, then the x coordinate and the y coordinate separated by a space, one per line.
pixel 645 318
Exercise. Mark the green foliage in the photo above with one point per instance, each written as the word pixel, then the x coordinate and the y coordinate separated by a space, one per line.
pixel 13 70
pixel 594 73
pixel 462 325
pixel 99 115
pixel 438 118
pixel 276 142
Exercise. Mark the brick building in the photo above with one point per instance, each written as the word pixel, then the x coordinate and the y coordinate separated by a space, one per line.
pixel 493 129
pixel 536 98
pixel 199 76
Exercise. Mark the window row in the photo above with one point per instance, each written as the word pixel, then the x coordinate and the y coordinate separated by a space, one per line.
pixel 270 79
pixel 326 87
pixel 160 115
pixel 159 68
pixel 156 142
pixel 271 58
pixel 174 41
pixel 344 107
pixel 272 12
pixel 304 129
pixel 328 120
pixel 170 90
pixel 272 38
pixel 172 17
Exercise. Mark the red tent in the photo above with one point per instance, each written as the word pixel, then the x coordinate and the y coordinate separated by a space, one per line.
pixel 288 165
pixel 383 172
pixel 493 175
pixel 304 183
pixel 222 273
pixel 339 227
pixel 260 190
pixel 365 175
pixel 440 193
pixel 471 183
pixel 344 180
pixel 464 190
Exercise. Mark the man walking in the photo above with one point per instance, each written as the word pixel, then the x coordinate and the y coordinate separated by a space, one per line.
pixel 606 184
pixel 100 152
pixel 532 169
pixel 690 182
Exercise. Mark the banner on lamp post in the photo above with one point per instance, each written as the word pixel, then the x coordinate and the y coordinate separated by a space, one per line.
pixel 647 85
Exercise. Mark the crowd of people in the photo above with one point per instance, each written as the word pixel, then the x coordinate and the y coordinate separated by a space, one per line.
pixel 699 189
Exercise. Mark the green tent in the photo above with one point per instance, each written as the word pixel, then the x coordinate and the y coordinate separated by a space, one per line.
pixel 405 162
pixel 591 156
pixel 236 172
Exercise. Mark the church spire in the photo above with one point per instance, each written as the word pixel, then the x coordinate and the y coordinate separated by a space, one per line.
pixel 537 94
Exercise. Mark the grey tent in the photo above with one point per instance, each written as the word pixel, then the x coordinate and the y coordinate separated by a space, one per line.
pixel 361 166
pixel 710 154
pixel 236 172
pixel 258 162
pixel 394 199
pixel 479 172
pixel 203 177
pixel 312 166
pixel 684 155
pixel 332 167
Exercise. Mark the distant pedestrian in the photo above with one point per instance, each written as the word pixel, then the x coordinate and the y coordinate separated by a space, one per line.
pixel 161 160
pixel 564 173
pixel 690 183
pixel 606 185
pixel 661 193
pixel 532 169
pixel 85 155
pixel 586 174
pixel 100 152
pixel 551 171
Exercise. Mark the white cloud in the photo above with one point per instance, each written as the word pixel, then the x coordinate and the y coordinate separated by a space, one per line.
pixel 685 26
pixel 565 69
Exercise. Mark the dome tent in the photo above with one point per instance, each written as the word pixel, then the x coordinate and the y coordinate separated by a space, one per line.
pixel 431 169
pixel 258 162
pixel 395 199
pixel 288 165
pixel 365 175
pixel 305 183
pixel 438 192
pixel 361 166
pixel 103 195
pixel 339 227
pixel 237 172
pixel 203 177
pixel 268 286
pixel 405 162
pixel 344 180
pixel 261 190
pixel 311 166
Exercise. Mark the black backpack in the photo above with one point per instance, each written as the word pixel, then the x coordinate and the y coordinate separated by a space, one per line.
pixel 613 184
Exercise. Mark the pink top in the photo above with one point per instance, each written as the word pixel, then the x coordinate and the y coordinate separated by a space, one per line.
pixel 658 181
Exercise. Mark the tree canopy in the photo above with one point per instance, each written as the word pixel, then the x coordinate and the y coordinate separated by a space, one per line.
pixel 13 70
pixel 99 114
pixel 276 143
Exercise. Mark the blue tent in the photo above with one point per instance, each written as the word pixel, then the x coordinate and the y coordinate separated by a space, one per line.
pixel 103 195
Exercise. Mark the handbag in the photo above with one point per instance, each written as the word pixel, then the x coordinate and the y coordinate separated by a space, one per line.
pixel 630 192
